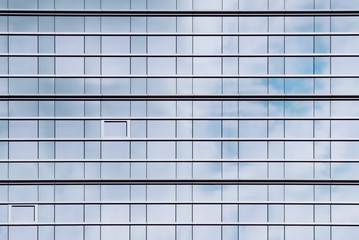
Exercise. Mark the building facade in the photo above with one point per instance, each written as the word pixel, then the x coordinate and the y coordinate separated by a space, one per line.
pixel 179 119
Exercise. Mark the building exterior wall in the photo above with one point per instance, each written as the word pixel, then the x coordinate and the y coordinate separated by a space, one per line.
pixel 179 119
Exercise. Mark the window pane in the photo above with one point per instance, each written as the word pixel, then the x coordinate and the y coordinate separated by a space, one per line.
pixel 115 129
pixel 22 232
pixel 22 213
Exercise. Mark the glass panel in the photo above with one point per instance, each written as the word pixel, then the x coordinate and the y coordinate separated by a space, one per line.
pixel 69 150
pixel 115 45
pixel 207 213
pixel 69 213
pixel 161 45
pixel 114 213
pixel 23 170
pixel 161 232
pixel 115 170
pixel 22 24
pixel 22 232
pixel 112 232
pixel 161 24
pixel 69 129
pixel 160 193
pixel 206 232
pixel 109 4
pixel 207 5
pixel 161 213
pixel 161 66
pixel 23 193
pixel 22 213
pixel 69 24
pixel 115 129
pixel 68 232
pixel 113 150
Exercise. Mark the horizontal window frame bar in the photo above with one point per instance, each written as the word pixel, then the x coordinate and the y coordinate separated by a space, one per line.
pixel 236 182
pixel 186 179
pixel 219 139
pixel 263 224
pixel 179 118
pixel 194 55
pixel 199 13
pixel 179 76
pixel 217 97
pixel 237 160
pixel 55 203
pixel 179 34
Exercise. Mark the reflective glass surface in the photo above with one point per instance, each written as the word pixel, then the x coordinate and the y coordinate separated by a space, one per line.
pixel 179 119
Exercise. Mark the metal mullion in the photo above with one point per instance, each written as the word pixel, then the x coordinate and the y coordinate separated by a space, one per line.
pixel 313 124
pixel 285 182
pixel 84 128
pixel 183 224
pixel 265 55
pixel 182 118
pixel 8 110
pixel 191 98
pixel 314 203
pixel 176 76
pixel 175 13
pixel 267 130
pixel 130 145
pixel 330 126
pixel 179 34
pixel 180 139
pixel 184 160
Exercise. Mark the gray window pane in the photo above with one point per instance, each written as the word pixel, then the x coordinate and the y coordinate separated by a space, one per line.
pixel 161 24
pixel 22 150
pixel 22 24
pixel 69 213
pixel 69 24
pixel 161 129
pixel 115 170
pixel 68 232
pixel 22 232
pixel 23 171
pixel 161 4
pixel 115 24
pixel 207 5
pixel 23 85
pixel 23 65
pixel 69 129
pixel 23 4
pixel 22 44
pixel 73 44
pixel 206 232
pixel 22 213
pixel 161 45
pixel 108 4
pixel 23 193
pixel 69 150
pixel 69 170
pixel 113 150
pixel 115 193
pixel 113 44
pixel 115 129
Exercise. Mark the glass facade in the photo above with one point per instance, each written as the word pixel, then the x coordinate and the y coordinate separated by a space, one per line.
pixel 179 119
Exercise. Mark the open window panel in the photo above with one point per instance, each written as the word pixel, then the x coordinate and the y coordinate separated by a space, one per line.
pixel 115 129
pixel 23 213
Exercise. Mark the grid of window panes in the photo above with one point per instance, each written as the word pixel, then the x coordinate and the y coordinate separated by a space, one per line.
pixel 179 119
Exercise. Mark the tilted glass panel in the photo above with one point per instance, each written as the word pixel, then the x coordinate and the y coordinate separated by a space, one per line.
pixel 23 213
